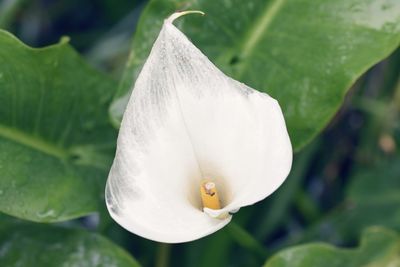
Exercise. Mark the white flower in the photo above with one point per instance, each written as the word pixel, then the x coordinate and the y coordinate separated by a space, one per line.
pixel 188 128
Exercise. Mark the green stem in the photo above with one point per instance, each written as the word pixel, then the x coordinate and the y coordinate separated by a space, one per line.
pixel 396 97
pixel 163 254
pixel 8 9
pixel 280 201
pixel 307 206
pixel 246 240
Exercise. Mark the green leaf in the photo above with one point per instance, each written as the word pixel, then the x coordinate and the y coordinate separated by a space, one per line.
pixel 378 247
pixel 56 142
pixel 29 244
pixel 373 198
pixel 304 53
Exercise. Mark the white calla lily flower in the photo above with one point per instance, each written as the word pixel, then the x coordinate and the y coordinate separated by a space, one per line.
pixel 193 147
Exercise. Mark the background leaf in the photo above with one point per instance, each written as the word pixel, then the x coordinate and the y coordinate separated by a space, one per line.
pixel 364 132
pixel 56 143
pixel 373 198
pixel 29 244
pixel 303 53
pixel 378 247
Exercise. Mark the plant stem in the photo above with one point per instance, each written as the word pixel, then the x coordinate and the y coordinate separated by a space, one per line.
pixel 281 200
pixel 306 205
pixel 396 97
pixel 163 253
pixel 246 240
pixel 8 8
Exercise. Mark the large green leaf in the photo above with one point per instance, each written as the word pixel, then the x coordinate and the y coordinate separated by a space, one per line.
pixel 378 248
pixel 29 244
pixel 373 198
pixel 305 53
pixel 56 143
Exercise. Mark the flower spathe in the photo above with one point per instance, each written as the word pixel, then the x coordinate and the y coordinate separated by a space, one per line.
pixel 186 121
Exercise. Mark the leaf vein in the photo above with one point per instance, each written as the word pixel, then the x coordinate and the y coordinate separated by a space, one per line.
pixel 20 137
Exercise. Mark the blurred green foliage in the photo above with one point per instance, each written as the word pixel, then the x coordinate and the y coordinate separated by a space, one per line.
pixel 372 198
pixel 308 55
pixel 378 247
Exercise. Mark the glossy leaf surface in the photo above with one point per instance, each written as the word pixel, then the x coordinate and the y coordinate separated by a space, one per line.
pixel 304 54
pixel 29 244
pixel 56 143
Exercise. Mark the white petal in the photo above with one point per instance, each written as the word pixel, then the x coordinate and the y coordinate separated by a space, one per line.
pixel 187 121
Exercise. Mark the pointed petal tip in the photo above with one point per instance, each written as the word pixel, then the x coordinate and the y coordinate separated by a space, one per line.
pixel 176 15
